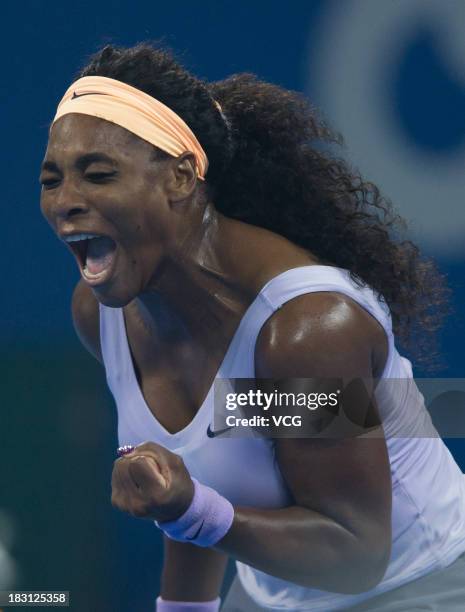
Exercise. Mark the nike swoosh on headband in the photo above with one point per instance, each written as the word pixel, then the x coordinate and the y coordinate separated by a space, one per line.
pixel 89 93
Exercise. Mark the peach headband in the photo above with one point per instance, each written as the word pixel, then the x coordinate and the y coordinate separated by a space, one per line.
pixel 136 111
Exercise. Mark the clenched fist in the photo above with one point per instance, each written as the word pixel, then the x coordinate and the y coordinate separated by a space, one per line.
pixel 151 482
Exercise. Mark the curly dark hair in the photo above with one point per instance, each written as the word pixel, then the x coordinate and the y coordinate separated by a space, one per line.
pixel 272 163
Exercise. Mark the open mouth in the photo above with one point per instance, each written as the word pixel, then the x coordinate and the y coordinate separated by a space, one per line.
pixel 95 254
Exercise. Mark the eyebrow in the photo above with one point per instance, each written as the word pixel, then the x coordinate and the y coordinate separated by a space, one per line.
pixel 82 161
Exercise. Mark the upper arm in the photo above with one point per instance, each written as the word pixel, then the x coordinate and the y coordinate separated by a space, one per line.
pixel 85 312
pixel 328 336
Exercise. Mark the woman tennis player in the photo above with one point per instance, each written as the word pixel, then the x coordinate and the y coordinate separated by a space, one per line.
pixel 218 237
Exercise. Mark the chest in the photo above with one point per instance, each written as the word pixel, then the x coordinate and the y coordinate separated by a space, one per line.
pixel 174 374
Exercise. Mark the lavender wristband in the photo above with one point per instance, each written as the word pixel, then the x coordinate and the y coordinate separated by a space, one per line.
pixel 205 522
pixel 187 606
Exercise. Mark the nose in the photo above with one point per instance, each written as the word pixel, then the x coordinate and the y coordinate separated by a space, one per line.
pixel 64 202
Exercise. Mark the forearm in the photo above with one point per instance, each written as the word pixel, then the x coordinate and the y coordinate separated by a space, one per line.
pixel 191 573
pixel 304 547
pixel 346 554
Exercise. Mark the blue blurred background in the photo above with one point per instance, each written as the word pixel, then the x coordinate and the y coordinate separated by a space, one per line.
pixel 389 75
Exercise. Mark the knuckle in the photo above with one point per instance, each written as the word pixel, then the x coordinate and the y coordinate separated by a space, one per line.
pixel 147 446
pixel 140 509
pixel 115 501
pixel 118 464
pixel 178 461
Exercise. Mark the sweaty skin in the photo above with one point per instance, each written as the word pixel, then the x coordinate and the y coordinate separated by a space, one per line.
pixel 185 275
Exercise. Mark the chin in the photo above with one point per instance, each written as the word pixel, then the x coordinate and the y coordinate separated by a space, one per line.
pixel 112 297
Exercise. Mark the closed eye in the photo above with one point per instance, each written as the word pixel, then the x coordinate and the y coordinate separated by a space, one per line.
pixel 49 183
pixel 99 177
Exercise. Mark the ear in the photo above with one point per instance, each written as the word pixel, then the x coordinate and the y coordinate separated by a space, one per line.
pixel 182 178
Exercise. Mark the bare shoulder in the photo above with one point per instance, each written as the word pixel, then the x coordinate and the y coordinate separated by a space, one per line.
pixel 85 311
pixel 321 334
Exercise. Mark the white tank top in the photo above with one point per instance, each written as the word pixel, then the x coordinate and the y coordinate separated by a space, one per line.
pixel 428 488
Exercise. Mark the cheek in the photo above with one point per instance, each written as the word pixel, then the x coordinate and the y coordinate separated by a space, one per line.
pixel 142 220
pixel 153 226
pixel 129 208
pixel 143 246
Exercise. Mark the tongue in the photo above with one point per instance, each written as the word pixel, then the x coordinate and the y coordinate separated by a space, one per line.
pixel 100 253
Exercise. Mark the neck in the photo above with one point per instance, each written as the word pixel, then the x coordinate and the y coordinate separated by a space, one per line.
pixel 198 293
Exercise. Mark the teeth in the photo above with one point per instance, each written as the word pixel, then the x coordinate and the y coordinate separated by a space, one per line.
pixel 77 237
